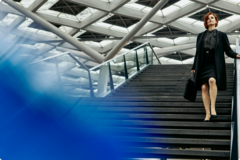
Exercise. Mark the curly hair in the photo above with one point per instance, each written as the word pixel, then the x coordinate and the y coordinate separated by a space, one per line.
pixel 206 19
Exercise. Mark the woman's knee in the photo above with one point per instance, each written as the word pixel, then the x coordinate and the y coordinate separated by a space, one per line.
pixel 212 81
pixel 204 88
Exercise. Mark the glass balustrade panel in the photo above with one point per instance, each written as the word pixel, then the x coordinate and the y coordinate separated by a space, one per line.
pixel 118 71
pixel 131 65
pixel 149 53
pixel 141 54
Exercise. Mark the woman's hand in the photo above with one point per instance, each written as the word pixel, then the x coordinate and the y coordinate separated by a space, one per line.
pixel 194 70
pixel 238 56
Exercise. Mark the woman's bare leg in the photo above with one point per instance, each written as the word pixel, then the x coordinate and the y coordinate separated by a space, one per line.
pixel 213 94
pixel 206 100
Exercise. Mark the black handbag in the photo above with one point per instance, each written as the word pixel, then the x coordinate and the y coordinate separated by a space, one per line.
pixel 190 91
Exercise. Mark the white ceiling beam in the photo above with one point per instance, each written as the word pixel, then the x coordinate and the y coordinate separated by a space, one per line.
pixel 19 20
pixel 227 6
pixel 182 12
pixel 125 11
pixel 169 50
pixel 187 27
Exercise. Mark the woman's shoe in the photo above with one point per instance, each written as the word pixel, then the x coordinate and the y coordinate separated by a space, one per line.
pixel 214 116
pixel 207 120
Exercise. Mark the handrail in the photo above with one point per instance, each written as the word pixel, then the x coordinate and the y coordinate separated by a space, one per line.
pixel 111 80
pixel 50 57
pixel 79 62
pixel 99 64
pixel 118 56
pixel 237 69
pixel 234 152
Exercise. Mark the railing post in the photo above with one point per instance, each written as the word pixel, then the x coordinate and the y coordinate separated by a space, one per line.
pixel 110 77
pixel 234 134
pixel 125 67
pixel 58 74
pixel 237 118
pixel 137 63
pixel 145 49
pixel 90 84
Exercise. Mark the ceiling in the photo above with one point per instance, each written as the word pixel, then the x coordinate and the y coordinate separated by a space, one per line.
pixel 100 24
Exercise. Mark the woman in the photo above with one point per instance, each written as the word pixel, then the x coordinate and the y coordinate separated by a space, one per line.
pixel 209 63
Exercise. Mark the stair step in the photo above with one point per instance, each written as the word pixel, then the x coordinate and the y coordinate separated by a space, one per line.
pixel 161 110
pixel 169 124
pixel 159 98
pixel 173 142
pixel 159 94
pixel 176 117
pixel 168 132
pixel 154 152
pixel 156 104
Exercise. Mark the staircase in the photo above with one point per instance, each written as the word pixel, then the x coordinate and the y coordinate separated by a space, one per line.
pixel 150 114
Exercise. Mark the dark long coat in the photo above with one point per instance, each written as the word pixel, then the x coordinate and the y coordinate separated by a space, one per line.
pixel 222 45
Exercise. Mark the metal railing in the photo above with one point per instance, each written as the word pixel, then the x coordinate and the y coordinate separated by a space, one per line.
pixel 71 76
pixel 235 149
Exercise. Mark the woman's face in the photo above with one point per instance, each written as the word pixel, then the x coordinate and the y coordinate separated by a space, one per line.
pixel 211 20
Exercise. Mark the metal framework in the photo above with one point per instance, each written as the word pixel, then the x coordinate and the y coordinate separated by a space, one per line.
pixel 124 8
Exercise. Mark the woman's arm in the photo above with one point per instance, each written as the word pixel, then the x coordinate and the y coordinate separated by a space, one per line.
pixel 193 67
pixel 227 48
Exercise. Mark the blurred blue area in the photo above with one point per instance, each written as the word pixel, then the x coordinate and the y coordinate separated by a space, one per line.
pixel 37 125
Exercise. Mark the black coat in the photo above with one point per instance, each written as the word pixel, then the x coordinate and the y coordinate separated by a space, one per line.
pixel 222 45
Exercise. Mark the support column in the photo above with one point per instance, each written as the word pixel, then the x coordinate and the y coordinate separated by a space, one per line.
pixel 103 79
pixel 130 35
pixel 43 23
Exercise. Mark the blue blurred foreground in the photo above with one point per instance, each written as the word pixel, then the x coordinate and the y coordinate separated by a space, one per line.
pixel 38 123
